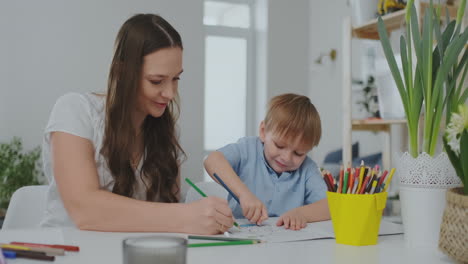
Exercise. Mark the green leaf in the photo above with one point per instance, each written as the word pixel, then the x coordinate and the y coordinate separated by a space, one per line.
pixel 392 63
pixel 451 56
pixel 464 96
pixel 438 33
pixel 415 33
pixel 406 67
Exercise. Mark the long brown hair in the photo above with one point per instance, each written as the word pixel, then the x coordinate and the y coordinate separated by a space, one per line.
pixel 139 36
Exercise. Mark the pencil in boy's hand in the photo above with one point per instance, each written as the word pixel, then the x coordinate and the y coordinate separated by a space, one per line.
pixel 226 187
pixel 203 194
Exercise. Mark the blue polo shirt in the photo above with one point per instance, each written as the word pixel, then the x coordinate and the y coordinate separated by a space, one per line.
pixel 281 193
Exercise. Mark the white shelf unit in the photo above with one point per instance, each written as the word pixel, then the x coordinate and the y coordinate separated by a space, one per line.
pixel 393 21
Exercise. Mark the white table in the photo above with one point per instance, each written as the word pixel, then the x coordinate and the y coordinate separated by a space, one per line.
pixel 102 248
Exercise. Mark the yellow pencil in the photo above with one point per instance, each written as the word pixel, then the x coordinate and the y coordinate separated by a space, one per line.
pixel 47 251
pixel 389 180
pixel 361 175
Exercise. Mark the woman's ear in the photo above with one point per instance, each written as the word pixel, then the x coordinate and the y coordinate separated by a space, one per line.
pixel 261 131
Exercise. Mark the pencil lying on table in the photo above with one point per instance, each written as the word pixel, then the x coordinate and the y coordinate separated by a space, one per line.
pixel 64 247
pixel 48 251
pixel 225 243
pixel 222 238
pixel 29 254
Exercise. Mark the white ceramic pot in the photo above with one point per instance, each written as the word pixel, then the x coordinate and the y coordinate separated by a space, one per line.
pixel 423 183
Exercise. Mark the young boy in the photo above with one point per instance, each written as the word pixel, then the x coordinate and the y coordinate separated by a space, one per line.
pixel 271 174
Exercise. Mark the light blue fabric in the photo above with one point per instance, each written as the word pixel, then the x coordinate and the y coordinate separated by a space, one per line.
pixel 279 193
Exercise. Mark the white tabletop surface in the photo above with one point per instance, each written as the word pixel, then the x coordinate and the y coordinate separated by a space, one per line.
pixel 101 247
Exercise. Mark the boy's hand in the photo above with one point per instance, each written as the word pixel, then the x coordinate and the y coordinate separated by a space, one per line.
pixel 293 220
pixel 253 209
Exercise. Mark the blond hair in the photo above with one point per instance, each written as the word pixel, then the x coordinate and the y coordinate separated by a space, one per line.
pixel 294 116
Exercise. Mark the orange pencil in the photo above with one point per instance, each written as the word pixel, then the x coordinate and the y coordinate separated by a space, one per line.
pixel 351 182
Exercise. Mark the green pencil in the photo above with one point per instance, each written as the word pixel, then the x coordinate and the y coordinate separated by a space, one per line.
pixel 345 183
pixel 203 194
pixel 221 238
pixel 226 243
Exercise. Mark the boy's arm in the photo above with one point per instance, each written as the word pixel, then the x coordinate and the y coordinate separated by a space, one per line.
pixel 315 212
pixel 298 218
pixel 217 163
pixel 252 208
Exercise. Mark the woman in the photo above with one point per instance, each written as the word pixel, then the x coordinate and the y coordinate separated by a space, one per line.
pixel 113 160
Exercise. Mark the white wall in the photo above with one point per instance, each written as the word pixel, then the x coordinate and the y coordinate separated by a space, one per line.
pixel 51 47
pixel 288 47
pixel 326 19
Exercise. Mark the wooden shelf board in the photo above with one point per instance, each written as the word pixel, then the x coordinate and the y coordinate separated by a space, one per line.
pixel 394 21
pixel 375 124
pixel 369 30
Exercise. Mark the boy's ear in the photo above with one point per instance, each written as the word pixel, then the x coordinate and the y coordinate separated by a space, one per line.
pixel 261 131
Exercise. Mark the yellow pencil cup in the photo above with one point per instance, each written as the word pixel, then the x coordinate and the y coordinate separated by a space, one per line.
pixel 356 217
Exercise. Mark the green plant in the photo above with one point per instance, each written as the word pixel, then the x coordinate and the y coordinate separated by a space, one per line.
pixel 17 169
pixel 435 68
pixel 456 143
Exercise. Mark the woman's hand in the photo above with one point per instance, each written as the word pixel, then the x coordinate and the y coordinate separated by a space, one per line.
pixel 209 216
pixel 253 209
pixel 293 220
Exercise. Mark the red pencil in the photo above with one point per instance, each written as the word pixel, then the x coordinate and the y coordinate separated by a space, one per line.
pixel 382 178
pixel 340 183
pixel 332 181
pixel 65 247
pixel 364 183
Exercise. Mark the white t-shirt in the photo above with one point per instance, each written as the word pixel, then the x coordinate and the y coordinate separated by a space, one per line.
pixel 81 115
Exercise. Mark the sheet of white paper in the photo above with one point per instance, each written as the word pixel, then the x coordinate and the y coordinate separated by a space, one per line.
pixel 269 232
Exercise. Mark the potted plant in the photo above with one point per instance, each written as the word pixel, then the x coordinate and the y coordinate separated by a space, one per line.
pixel 430 83
pixel 454 228
pixel 17 169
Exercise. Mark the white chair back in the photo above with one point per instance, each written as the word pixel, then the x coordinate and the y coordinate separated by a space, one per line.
pixel 209 188
pixel 26 208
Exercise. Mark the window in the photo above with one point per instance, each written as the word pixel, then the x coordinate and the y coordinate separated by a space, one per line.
pixel 229 65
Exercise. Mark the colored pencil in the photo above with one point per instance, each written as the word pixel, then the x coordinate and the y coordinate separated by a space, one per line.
pixel 30 254
pixel 226 243
pixel 221 238
pixel 202 193
pixel 48 250
pixel 226 187
pixel 64 247
pixel 345 182
pixel 389 179
pixel 340 180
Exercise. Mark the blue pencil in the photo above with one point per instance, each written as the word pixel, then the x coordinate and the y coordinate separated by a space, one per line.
pixel 225 187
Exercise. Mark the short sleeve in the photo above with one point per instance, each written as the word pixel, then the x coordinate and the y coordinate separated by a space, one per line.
pixel 71 114
pixel 235 154
pixel 315 186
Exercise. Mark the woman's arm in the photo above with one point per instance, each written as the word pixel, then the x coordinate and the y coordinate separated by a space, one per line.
pixel 92 208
